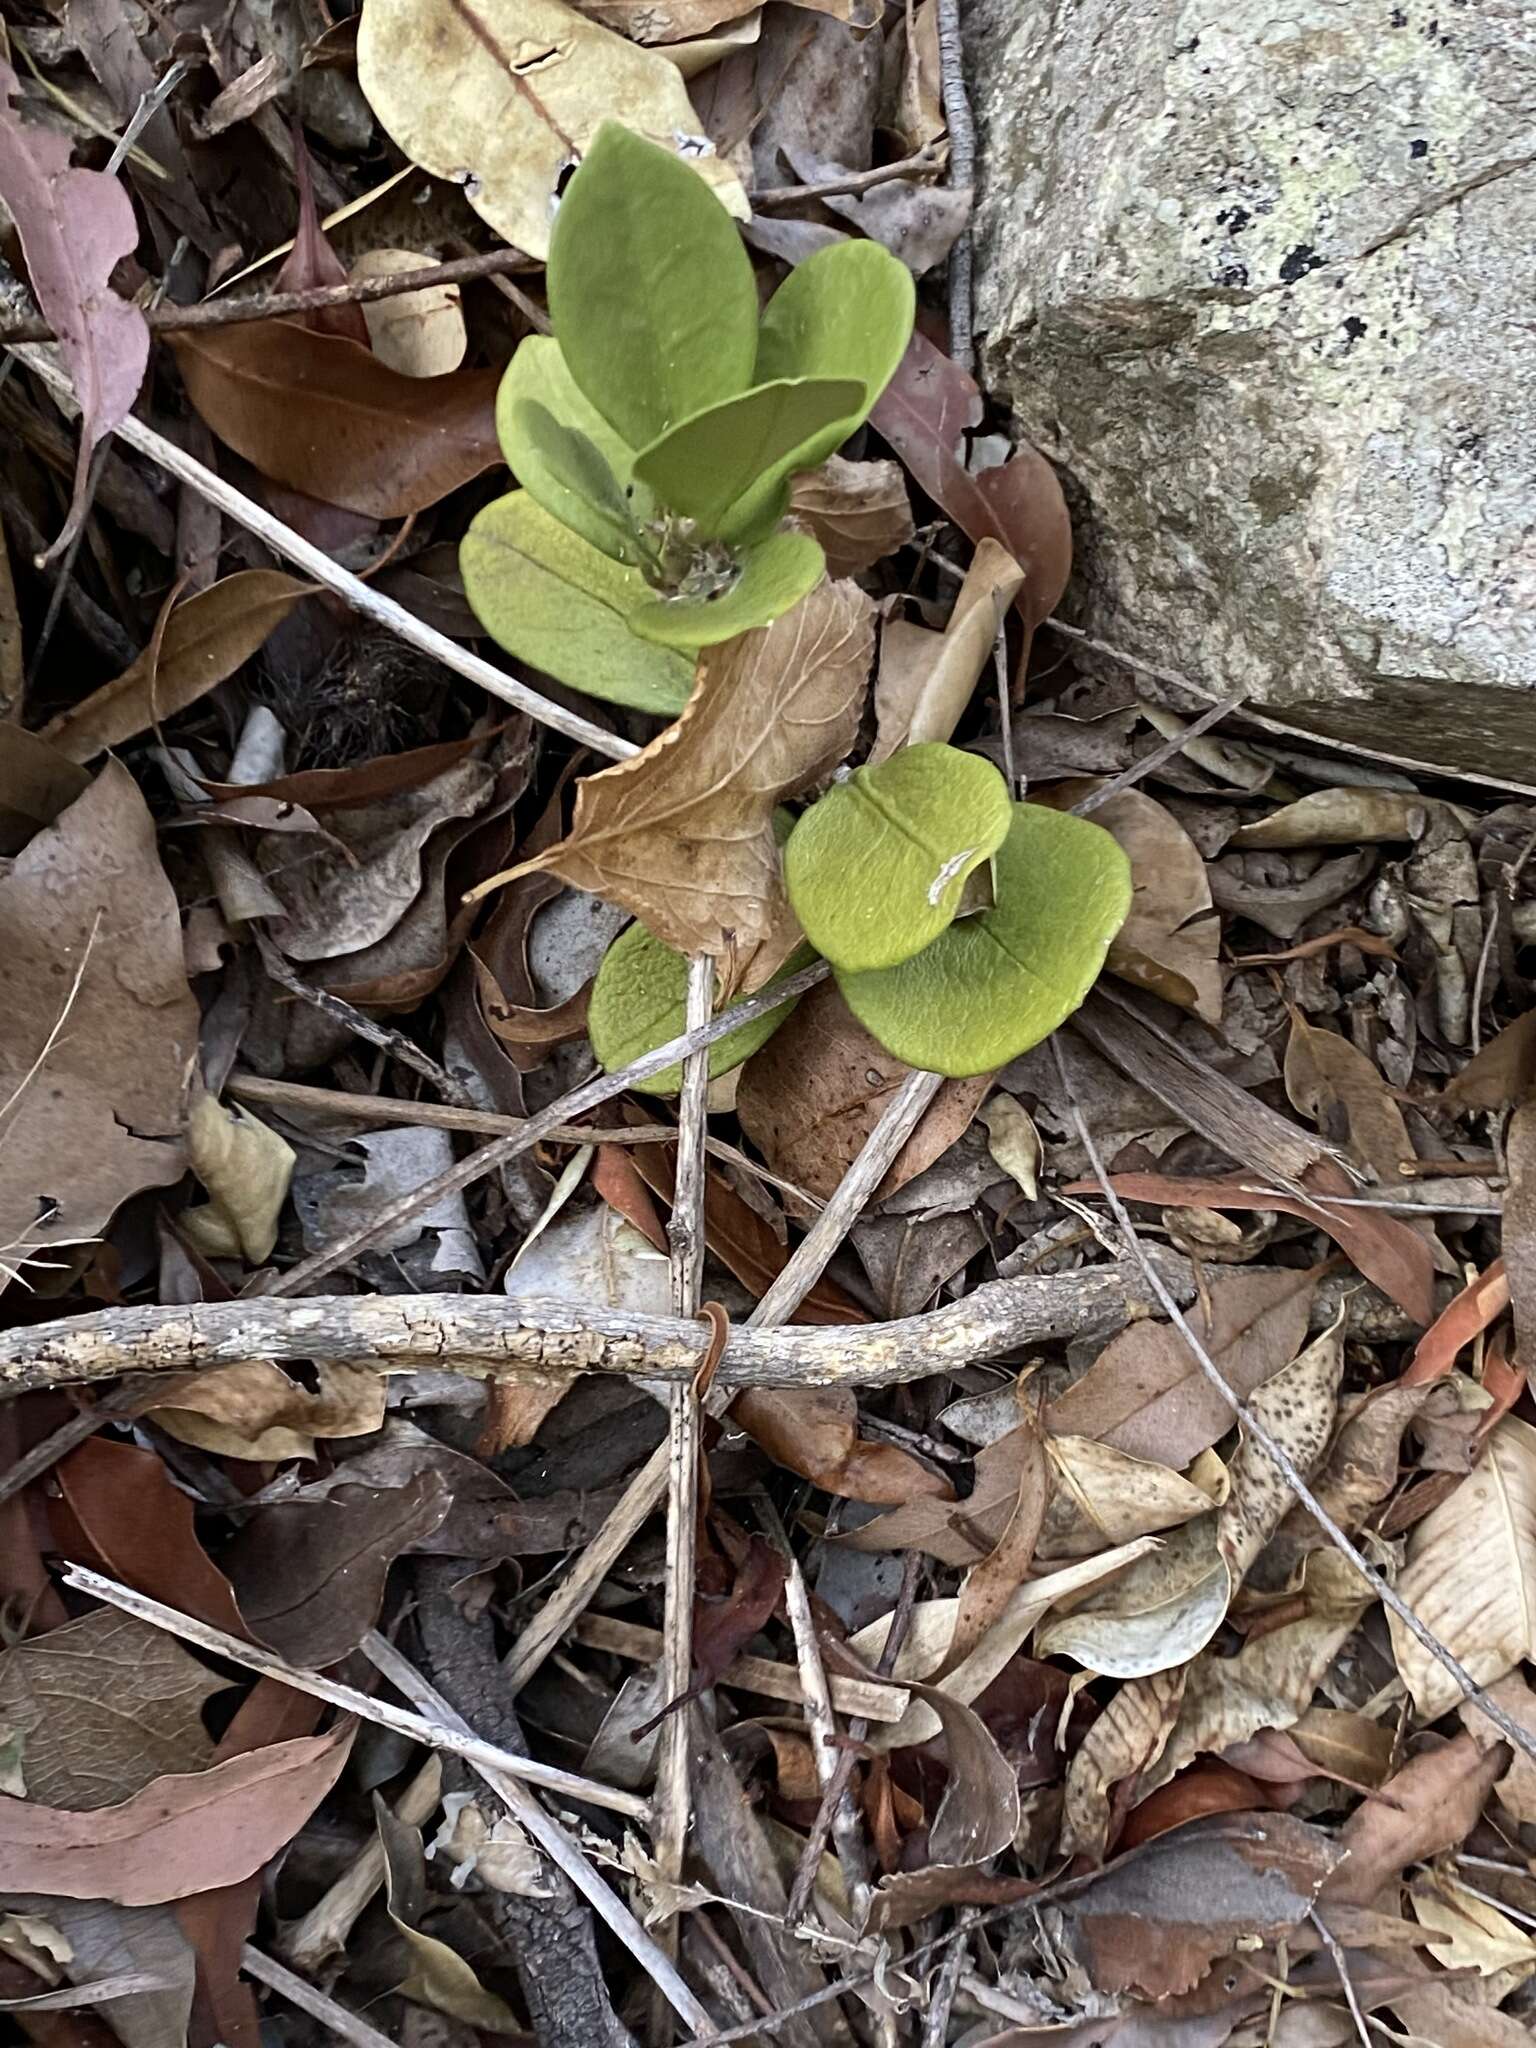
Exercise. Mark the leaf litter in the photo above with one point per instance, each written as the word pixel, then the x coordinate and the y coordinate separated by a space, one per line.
pixel 1146 1757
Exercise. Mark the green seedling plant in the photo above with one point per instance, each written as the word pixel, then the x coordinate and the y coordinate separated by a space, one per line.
pixel 879 873
pixel 657 433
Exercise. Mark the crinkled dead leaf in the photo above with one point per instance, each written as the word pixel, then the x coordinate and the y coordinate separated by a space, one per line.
pixel 327 417
pixel 1102 1497
pixel 1339 817
pixel 682 834
pixel 977 1817
pixel 255 1411
pixel 1359 1472
pixel 500 98
pixel 1331 1081
pixel 74 227
pixel 1146 1395
pixel 1430 1805
pixel 438 1976
pixel 815 1431
pixel 421 333
pixel 1471 1574
pixel 180 1834
pixel 246 1168
pixel 1013 1141
pixel 197 645
pixel 1171 941
pixel 1125 1741
pixel 926 679
pixel 1468 1932
pixel 498 1853
pixel 101 1026
pixel 991 1582
pixel 1517 1788
pixel 858 511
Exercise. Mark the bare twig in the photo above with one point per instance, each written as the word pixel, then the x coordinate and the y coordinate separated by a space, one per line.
pixel 359 291
pixel 1509 1728
pixel 372 604
pixel 393 1043
pixel 311 1941
pixel 1340 1963
pixel 556 1842
pixel 335 2018
pixel 861 1697
pixel 941 2003
pixel 921 164
pixel 962 172
pixel 435 1736
pixel 1149 763
pixel 822 1725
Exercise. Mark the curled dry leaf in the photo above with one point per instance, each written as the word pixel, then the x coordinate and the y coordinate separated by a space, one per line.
pixel 1503 1073
pixel 1103 1497
pixel 1430 1805
pixel 1171 941
pixel 255 1411
pixel 859 511
pixel 1339 817
pixel 682 834
pixel 325 416
pixel 977 1818
pixel 101 1025
pixel 438 1976
pixel 246 1168
pixel 421 333
pixel 1471 1574
pixel 1332 1082
pixel 1125 1741
pixel 197 645
pixel 74 226
pixel 815 1431
pixel 499 99
pixel 926 679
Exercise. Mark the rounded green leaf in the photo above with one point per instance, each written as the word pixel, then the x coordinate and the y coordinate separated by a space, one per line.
pixel 650 289
pixel 875 870
pixel 707 462
pixel 775 575
pixel 545 455
pixel 844 312
pixel 994 985
pixel 639 1001
pixel 547 596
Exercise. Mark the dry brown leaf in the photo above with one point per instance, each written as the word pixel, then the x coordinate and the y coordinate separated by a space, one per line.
pixel 1471 1574
pixel 1430 1805
pixel 957 1533
pixel 1125 1741
pixel 37 782
pixel 977 1819
pixel 438 1976
pixel 682 834
pixel 815 1431
pixel 179 1835
pixel 1503 1073
pixel 927 679
pixel 1360 1470
pixel 1332 1082
pixel 1339 817
pixel 420 334
pixel 675 21
pixel 859 511
pixel 101 1026
pixel 501 98
pixel 246 1168
pixel 196 645
pixel 1171 941
pixel 1014 1142
pixel 255 1411
pixel 812 1095
pixel 991 1582
pixel 1103 1497
pixel 103 1705
pixel 1145 1394
pixel 1517 1788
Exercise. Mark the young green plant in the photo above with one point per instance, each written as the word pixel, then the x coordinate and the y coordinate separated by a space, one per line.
pixel 657 433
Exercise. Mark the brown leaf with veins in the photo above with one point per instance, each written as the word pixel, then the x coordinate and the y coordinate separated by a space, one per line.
pixel 815 1431
pixel 682 834
pixel 1429 1806
pixel 859 511
pixel 1171 941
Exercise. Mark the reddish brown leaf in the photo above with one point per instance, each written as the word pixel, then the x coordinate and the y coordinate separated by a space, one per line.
pixel 1207 1787
pixel 815 1431
pixel 1430 1805
pixel 326 417
pixel 1464 1317
pixel 179 1835
pixel 722 1628
pixel 312 261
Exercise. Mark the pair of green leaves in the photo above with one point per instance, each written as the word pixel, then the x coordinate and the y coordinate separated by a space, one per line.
pixel 876 873
pixel 661 429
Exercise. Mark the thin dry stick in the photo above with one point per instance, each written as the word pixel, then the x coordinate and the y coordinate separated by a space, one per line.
pixel 962 171
pixel 336 2019
pixel 552 1838
pixel 644 1493
pixel 601 1088
pixel 825 1753
pixel 1159 755
pixel 1509 1728
pixel 1331 1943
pixel 685 1236
pixel 359 291
pixel 312 1940
pixel 920 164
pixel 372 604
pixel 936 2019
pixel 393 1043
pixel 319 1687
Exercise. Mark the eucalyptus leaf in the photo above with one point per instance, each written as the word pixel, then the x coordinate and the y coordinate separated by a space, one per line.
pixel 547 596
pixel 650 289
pixel 844 312
pixel 640 1000
pixel 576 484
pixel 876 870
pixel 706 463
pixel 993 985
pixel 774 576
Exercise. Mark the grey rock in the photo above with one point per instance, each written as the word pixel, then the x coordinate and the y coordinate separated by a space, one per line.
pixel 1260 280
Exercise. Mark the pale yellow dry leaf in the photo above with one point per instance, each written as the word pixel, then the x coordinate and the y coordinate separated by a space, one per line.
pixel 246 1168
pixel 926 679
pixel 1471 1934
pixel 1471 1574
pixel 1125 1741
pixel 420 334
pixel 498 1853
pixel 1104 1496
pixel 702 51
pixel 682 834
pixel 254 1411
pixel 1013 1141
pixel 503 96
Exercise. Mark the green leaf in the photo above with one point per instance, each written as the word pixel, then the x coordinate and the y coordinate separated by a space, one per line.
pixel 545 595
pixel 548 465
pixel 844 312
pixel 775 575
pixel 994 985
pixel 707 462
pixel 650 289
pixel 639 1001
pixel 876 870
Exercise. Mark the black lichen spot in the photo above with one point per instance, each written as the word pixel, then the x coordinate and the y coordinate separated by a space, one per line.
pixel 1397 18
pixel 1418 147
pixel 1234 219
pixel 1354 328
pixel 1301 259
pixel 1234 276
